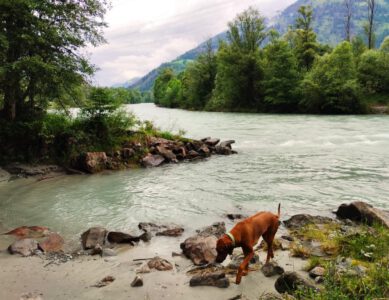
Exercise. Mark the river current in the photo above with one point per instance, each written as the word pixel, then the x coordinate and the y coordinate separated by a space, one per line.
pixel 309 164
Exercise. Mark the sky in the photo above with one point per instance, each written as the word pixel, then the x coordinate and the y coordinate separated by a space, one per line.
pixel 142 34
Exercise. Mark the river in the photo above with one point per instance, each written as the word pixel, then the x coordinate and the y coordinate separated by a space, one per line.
pixel 310 164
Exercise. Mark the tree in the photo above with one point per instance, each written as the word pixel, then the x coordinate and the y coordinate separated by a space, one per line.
pixel 369 27
pixel 161 84
pixel 305 38
pixel 331 86
pixel 39 50
pixel 239 71
pixel 385 45
pixel 373 72
pixel 281 77
pixel 199 80
pixel 348 15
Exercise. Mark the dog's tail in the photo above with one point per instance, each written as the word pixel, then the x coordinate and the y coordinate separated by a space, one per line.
pixel 279 210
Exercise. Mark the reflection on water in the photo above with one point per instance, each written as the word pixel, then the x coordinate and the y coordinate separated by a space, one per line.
pixel 308 163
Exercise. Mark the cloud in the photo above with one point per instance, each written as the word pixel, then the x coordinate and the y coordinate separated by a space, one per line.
pixel 145 33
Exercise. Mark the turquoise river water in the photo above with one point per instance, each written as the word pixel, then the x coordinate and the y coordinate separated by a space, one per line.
pixel 310 164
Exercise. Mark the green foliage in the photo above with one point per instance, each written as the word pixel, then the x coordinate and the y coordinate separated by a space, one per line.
pixel 39 57
pixel 238 85
pixel 331 86
pixel 199 80
pixel 281 77
pixel 369 248
pixel 305 44
pixel 385 45
pixel 161 84
pixel 373 72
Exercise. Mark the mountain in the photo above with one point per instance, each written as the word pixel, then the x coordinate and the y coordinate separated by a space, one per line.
pixel 328 24
pixel 329 17
pixel 127 83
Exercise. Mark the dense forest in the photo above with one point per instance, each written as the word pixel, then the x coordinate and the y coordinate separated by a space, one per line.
pixel 292 73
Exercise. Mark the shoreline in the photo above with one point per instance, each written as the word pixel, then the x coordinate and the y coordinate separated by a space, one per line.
pixel 75 277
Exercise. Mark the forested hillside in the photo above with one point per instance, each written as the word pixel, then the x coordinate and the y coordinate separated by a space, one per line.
pixel 328 24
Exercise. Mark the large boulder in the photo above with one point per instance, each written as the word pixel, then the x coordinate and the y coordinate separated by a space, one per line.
pixel 290 282
pixel 363 212
pixel 25 247
pixel 93 162
pixel 201 248
pixel 301 220
pixel 93 237
pixel 151 160
pixel 53 243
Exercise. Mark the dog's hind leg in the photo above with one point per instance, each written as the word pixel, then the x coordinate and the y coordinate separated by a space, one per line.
pixel 268 236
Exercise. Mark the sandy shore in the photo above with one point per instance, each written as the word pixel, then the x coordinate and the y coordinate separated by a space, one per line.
pixel 75 278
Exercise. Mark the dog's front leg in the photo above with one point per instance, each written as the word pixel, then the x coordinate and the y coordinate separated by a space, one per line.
pixel 249 253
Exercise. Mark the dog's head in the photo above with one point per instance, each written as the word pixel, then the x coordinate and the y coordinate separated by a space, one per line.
pixel 223 247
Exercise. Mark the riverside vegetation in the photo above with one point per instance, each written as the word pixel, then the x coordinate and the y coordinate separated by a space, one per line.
pixel 292 73
pixel 43 74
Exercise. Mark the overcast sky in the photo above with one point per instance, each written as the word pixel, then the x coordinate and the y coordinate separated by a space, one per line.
pixel 142 34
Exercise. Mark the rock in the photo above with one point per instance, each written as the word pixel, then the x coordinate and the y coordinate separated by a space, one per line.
pixel 25 247
pixel 53 243
pixel 4 175
pixel 137 282
pixel 227 144
pixel 271 269
pixel 152 161
pixel 143 269
pixel 93 237
pixel 150 227
pixel 174 232
pixel 210 141
pixel 216 229
pixel 223 150
pixel 289 282
pixel 29 232
pixel 316 272
pixel 105 281
pixel 271 296
pixel 31 170
pixel 97 250
pixel 319 279
pixel 92 162
pixel 108 252
pixel 301 220
pixel 237 260
pixel 204 150
pixel 201 248
pixel 192 154
pixel 161 230
pixel 159 264
pixel 127 153
pixel 121 238
pixel 217 279
pixel 287 238
pixel 234 217
pixel 363 212
pixel 167 154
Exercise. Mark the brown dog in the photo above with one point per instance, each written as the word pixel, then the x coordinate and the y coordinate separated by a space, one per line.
pixel 246 234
